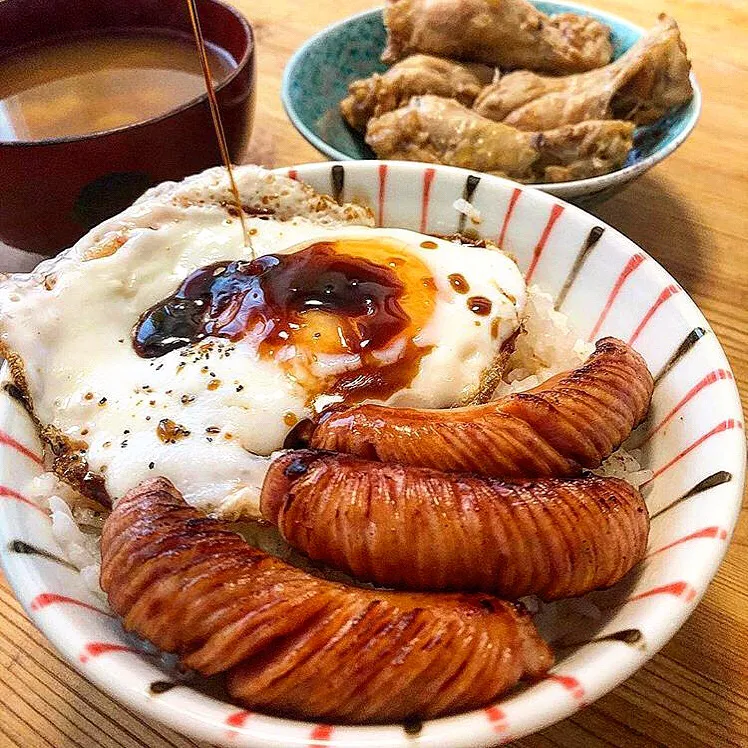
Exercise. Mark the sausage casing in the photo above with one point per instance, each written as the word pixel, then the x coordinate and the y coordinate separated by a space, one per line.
pixel 573 421
pixel 426 530
pixel 296 644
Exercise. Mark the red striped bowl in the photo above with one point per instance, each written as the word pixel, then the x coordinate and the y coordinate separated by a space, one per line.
pixel 693 442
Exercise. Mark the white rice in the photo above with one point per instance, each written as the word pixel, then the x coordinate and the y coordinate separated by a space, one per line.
pixel 467 209
pixel 76 528
pixel 546 346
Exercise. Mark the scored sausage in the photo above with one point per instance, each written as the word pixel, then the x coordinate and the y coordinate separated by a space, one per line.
pixel 424 529
pixel 295 644
pixel 573 421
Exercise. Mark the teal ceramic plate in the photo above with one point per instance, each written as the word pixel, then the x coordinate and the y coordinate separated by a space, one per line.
pixel 317 77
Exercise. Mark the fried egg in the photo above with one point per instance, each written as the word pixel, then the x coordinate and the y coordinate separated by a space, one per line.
pixel 163 344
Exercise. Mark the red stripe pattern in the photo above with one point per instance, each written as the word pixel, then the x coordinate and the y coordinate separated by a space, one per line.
pixel 45 599
pixel 428 178
pixel 9 441
pixel 320 735
pixel 508 215
pixel 556 211
pixel 711 378
pixel 10 493
pixel 96 649
pixel 677 589
pixel 666 293
pixel 382 192
pixel 237 720
pixel 715 532
pixel 497 719
pixel 571 684
pixel 629 268
pixel 727 425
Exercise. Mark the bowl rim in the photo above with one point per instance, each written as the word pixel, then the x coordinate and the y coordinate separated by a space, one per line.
pixel 562 189
pixel 239 67
pixel 461 730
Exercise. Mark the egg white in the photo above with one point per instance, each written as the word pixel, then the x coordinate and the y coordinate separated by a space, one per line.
pixel 85 378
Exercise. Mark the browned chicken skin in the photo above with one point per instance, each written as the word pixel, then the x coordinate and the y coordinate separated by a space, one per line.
pixel 428 530
pixel 639 86
pixel 505 33
pixel 573 421
pixel 442 131
pixel 415 75
pixel 296 644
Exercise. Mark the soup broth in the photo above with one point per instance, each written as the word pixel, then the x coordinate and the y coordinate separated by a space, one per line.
pixel 84 85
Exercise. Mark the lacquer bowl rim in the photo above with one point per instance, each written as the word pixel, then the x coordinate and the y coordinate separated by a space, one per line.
pixel 247 60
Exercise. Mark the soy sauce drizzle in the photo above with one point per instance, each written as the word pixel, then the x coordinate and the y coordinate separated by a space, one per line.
pixel 216 116
pixel 269 297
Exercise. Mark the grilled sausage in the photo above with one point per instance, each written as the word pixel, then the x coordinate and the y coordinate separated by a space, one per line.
pixel 426 530
pixel 297 644
pixel 571 422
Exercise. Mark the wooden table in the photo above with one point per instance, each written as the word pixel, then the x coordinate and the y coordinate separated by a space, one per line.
pixel 691 214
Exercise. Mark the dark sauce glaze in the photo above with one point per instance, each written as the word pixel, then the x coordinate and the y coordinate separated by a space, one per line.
pixel 458 283
pixel 319 300
pixel 267 298
pixel 479 305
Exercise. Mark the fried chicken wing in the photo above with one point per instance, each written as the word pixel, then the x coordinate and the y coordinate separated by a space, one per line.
pixel 643 84
pixel 296 644
pixel 504 33
pixel 573 421
pixel 415 75
pixel 441 131
pixel 425 529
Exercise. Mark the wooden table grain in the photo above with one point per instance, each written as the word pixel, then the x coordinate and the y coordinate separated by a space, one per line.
pixel 691 214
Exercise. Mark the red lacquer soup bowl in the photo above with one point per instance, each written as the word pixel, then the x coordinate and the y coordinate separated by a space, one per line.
pixel 53 191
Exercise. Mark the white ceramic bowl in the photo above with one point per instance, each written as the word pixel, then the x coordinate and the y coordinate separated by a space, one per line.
pixel 693 441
